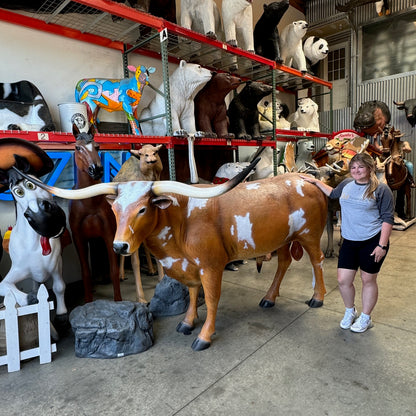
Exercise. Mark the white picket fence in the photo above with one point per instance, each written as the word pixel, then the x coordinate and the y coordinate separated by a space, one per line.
pixel 10 314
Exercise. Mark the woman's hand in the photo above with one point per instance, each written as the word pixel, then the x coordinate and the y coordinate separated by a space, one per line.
pixel 378 253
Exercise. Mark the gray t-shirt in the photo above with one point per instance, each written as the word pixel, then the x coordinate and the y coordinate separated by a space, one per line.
pixel 362 217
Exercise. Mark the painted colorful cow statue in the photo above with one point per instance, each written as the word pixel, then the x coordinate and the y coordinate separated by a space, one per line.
pixel 114 94
pixel 196 230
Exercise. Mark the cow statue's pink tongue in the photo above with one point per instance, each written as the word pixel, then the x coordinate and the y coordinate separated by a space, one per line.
pixel 46 247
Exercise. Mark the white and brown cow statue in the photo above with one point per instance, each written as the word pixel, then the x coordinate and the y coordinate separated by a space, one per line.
pixel 252 219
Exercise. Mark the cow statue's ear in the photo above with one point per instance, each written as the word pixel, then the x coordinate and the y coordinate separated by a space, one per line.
pixel 162 201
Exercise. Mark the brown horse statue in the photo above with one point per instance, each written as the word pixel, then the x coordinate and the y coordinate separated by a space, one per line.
pixel 397 175
pixel 92 218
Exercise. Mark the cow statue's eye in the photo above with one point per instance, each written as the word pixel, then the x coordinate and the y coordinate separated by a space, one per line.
pixel 141 211
pixel 30 185
pixel 19 191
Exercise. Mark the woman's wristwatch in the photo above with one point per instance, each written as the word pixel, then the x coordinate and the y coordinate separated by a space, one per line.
pixel 383 247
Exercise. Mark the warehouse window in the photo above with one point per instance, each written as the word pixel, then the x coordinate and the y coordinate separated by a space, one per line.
pixel 389 47
pixel 336 64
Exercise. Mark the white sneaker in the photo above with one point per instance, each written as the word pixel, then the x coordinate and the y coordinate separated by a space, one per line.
pixel 348 319
pixel 361 325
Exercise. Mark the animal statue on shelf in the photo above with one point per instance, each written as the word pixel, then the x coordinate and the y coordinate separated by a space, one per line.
pixel 34 246
pixel 372 117
pixel 228 170
pixel 91 219
pixel 264 168
pixel 201 16
pixel 185 83
pixel 243 113
pixel 210 107
pixel 383 7
pixel 265 109
pixel 143 165
pixel 352 4
pixel 22 107
pixel 250 220
pixel 306 117
pixel 409 107
pixel 114 95
pixel 315 50
pixel 237 17
pixel 397 174
pixel 304 152
pixel 266 33
pixel 291 48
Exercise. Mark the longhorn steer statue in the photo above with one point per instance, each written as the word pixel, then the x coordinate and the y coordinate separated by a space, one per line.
pixel 194 235
pixel 114 94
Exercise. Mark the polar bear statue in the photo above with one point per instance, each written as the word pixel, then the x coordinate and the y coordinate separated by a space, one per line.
pixel 306 117
pixel 185 82
pixel 201 16
pixel 291 48
pixel 237 16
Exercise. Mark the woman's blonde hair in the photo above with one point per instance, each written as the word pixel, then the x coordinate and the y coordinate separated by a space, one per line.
pixel 369 163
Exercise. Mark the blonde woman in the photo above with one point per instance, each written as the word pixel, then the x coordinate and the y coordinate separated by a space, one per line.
pixel 367 212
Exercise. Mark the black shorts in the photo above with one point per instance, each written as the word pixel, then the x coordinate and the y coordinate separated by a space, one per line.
pixel 357 254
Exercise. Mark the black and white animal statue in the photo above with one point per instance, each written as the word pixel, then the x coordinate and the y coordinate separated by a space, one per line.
pixel 352 4
pixel 409 106
pixel 266 33
pixel 34 247
pixel 315 50
pixel 22 107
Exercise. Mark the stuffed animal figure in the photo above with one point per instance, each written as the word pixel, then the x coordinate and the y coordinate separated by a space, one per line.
pixel 237 16
pixel 291 45
pixel 185 82
pixel 382 7
pixel 306 117
pixel 266 34
pixel 243 113
pixel 315 49
pixel 201 16
pixel 266 115
pixel 210 107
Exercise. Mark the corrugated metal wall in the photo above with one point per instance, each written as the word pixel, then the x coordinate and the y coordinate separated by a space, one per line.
pixel 318 11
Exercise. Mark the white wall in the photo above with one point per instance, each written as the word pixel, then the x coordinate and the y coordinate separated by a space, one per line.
pixel 55 64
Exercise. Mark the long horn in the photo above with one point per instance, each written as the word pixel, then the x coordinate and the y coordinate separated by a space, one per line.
pixel 398 103
pixel 88 192
pixel 162 187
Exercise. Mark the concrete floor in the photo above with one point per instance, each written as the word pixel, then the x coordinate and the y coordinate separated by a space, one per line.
pixel 288 360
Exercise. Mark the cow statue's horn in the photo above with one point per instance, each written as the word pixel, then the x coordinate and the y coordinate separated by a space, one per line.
pixel 162 187
pixel 158 187
pixel 88 192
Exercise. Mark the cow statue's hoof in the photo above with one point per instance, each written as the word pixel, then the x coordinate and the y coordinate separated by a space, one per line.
pixel 200 345
pixel 184 328
pixel 314 303
pixel 266 303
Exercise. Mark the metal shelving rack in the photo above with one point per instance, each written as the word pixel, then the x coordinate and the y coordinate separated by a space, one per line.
pixel 116 26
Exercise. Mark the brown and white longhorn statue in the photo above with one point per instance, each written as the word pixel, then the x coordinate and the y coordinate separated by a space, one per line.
pixel 195 231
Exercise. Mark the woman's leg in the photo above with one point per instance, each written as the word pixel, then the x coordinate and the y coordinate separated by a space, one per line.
pixel 346 286
pixel 369 292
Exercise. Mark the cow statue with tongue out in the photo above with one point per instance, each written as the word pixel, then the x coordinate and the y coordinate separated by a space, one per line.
pixel 34 247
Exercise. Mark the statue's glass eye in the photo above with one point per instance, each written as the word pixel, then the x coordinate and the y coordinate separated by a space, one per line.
pixel 30 185
pixel 18 191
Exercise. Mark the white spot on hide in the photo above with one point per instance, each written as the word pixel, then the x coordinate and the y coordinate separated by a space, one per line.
pixel 296 221
pixel 194 203
pixel 168 262
pixel 163 235
pixel 299 186
pixel 185 264
pixel 130 192
pixel 197 261
pixel 232 229
pixel 131 229
pixel 287 182
pixel 252 185
pixel 244 230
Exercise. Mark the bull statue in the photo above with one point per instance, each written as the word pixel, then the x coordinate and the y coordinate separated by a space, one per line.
pixel 195 231
pixel 114 94
pixel 409 106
